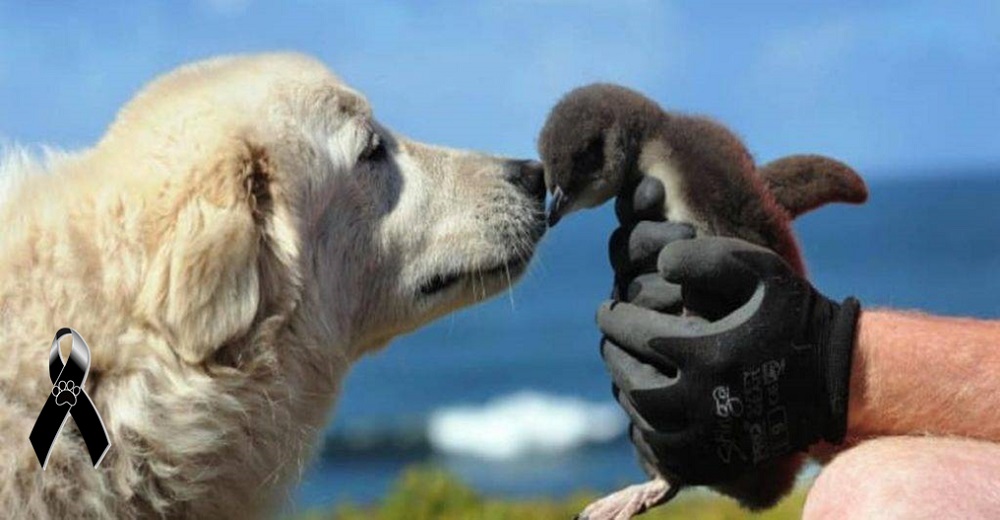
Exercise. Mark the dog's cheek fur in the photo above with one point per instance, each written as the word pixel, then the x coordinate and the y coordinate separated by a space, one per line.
pixel 203 286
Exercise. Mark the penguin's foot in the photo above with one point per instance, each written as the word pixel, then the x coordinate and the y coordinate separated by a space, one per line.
pixel 629 502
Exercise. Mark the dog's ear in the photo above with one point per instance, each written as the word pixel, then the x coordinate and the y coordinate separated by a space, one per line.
pixel 205 238
pixel 801 183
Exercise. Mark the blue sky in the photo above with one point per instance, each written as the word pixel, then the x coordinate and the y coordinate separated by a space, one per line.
pixel 892 89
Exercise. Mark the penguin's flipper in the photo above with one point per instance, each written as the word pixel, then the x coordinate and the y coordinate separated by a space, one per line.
pixel 801 183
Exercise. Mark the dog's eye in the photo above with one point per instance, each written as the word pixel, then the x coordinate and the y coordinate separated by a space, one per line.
pixel 375 151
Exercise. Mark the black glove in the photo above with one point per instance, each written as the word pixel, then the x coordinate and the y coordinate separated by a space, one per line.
pixel 635 245
pixel 710 400
pixel 633 251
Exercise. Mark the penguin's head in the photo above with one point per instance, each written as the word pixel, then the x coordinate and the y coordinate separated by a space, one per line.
pixel 590 145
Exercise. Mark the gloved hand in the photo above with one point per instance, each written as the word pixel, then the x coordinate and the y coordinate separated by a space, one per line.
pixel 710 400
pixel 730 280
pixel 633 251
pixel 635 245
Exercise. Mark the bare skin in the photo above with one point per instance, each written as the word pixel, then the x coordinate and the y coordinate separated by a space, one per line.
pixel 924 390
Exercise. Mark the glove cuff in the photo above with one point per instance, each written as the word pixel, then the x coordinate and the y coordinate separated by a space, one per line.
pixel 839 353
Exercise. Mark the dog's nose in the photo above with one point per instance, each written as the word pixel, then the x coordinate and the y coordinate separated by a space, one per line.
pixel 529 176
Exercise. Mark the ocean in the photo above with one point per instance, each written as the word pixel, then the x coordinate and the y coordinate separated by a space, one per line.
pixel 511 395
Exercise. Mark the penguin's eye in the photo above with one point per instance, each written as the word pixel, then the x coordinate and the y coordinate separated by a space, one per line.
pixel 592 157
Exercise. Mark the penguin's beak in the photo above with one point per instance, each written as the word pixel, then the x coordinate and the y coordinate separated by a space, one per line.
pixel 558 206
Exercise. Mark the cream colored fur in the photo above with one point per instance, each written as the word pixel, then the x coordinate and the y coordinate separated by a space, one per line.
pixel 227 250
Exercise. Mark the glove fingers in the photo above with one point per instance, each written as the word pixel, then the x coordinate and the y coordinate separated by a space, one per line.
pixel 645 393
pixel 629 373
pixel 711 271
pixel 634 249
pixel 713 305
pixel 632 328
pixel 653 292
pixel 643 202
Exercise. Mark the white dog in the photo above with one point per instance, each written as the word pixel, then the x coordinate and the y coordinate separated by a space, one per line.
pixel 243 232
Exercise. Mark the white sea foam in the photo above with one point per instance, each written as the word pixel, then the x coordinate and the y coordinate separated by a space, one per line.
pixel 522 424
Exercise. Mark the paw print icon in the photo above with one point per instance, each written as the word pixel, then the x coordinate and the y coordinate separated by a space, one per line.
pixel 65 393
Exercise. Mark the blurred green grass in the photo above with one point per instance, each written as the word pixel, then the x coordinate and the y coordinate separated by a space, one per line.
pixel 425 493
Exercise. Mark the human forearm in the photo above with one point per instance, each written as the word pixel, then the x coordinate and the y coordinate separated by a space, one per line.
pixel 915 373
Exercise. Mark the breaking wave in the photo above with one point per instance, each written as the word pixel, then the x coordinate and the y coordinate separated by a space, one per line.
pixel 509 427
pixel 523 424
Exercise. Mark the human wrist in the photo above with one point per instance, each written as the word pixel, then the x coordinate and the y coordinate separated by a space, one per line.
pixel 860 418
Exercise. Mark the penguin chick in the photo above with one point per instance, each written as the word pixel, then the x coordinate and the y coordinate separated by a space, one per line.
pixel 602 138
pixel 590 145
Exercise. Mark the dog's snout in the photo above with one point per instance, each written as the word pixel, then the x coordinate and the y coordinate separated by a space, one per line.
pixel 528 176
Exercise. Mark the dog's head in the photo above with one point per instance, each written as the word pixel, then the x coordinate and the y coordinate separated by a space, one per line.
pixel 275 197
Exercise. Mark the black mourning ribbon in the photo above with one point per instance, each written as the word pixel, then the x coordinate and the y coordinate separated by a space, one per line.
pixel 69 398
